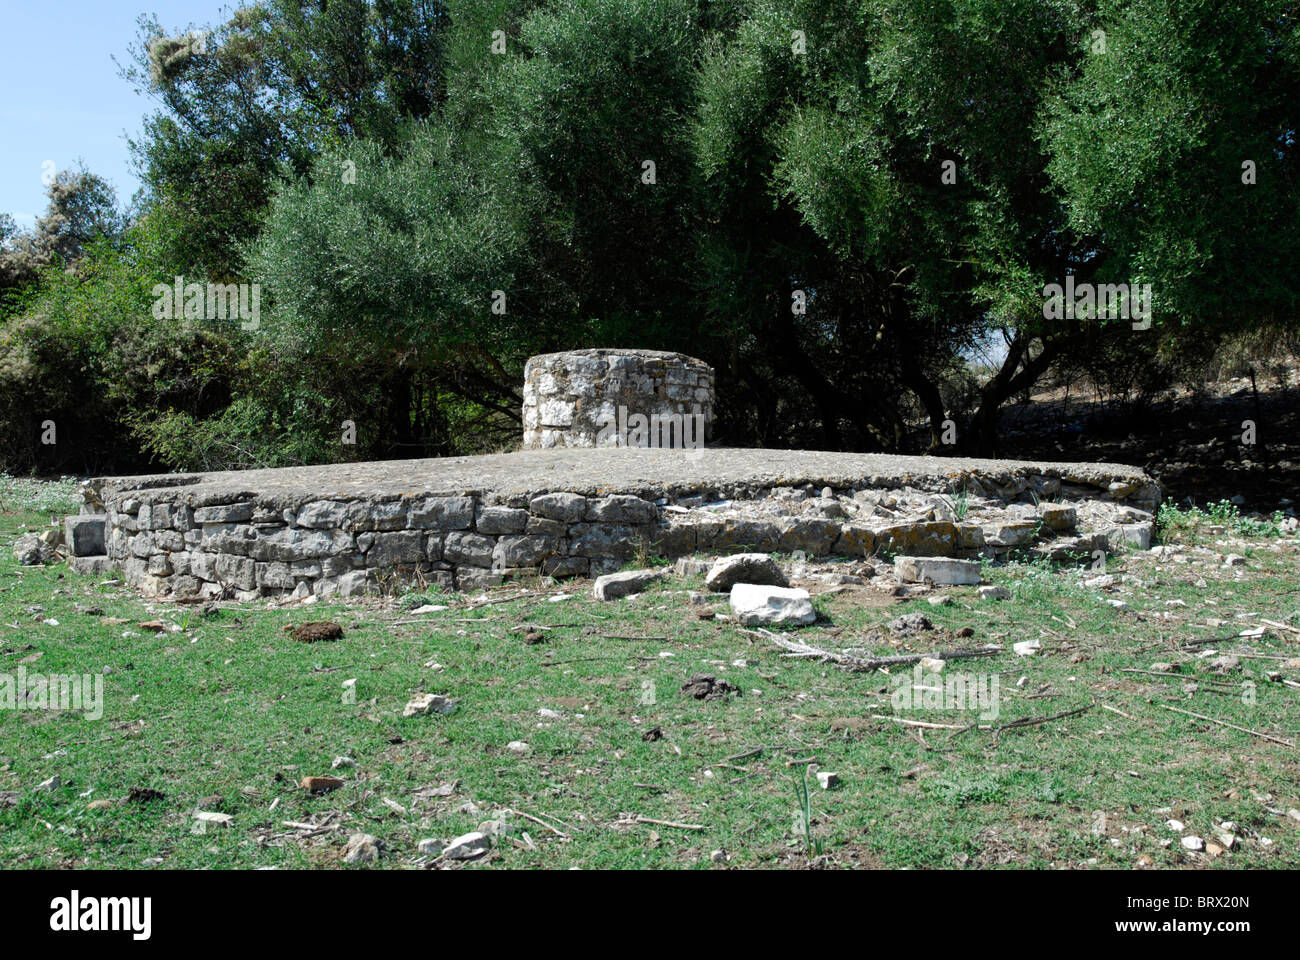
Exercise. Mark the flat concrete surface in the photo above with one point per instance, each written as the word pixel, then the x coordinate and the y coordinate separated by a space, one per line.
pixel 649 473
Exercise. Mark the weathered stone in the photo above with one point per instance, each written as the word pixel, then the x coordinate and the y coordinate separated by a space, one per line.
pixel 941 571
pixel 424 704
pixel 362 848
pixel 733 532
pixel 443 513
pixel 225 513
pixel 523 551
pixel 380 515
pixel 274 575
pixel 565 507
pixel 613 586
pixel 471 548
pixel 933 538
pixel 540 526
pixel 1058 517
pixel 691 567
pixel 476 578
pixel 468 846
pixel 30 550
pixel 405 546
pixel 673 539
pixel 228 538
pixel 756 605
pixel 494 521
pixel 323 514
pixel 1011 534
pixel 855 541
pixel 241 572
pixel 84 535
pixel 354 583
pixel 565 566
pixel 757 568
pixel 602 540
pixel 288 543
pixel 815 536
pixel 92 566
pixel 621 508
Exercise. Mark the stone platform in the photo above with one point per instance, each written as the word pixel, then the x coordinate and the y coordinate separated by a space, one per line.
pixel 468 522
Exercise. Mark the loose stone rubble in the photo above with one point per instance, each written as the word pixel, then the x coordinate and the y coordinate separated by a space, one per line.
pixel 349 530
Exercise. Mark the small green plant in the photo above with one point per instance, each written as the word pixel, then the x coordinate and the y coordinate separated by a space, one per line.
pixel 958 501
pixel 1174 522
pixel 812 847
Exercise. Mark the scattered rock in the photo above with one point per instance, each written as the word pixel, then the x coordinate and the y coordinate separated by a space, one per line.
pixel 8 798
pixel 424 704
pixel 50 785
pixel 931 664
pixel 1027 648
pixel 705 686
pixel 144 795
pixel 941 571
pixel 1234 560
pixel 1177 826
pixel 430 848
pixel 1193 843
pixel 30 550
pixel 828 780
pixel 687 567
pixel 315 631
pixel 519 747
pixel 342 763
pixel 468 846
pixel 100 805
pixel 1225 664
pixel 910 623
pixel 213 818
pixel 320 784
pixel 653 734
pixel 1165 667
pixel 363 848
pixel 755 568
pixel 759 605
pixel 994 593
pixel 613 586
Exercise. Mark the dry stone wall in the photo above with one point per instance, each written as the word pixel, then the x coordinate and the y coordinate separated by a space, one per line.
pixel 171 544
pixel 605 398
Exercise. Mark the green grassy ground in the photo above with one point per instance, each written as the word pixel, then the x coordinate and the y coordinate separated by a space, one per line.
pixel 229 707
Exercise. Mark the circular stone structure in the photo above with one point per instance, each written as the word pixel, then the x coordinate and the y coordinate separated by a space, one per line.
pixel 617 398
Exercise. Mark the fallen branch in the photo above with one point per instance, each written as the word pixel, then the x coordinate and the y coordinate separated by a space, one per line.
pixel 1035 721
pixel 797 648
pixel 926 725
pixel 659 823
pixel 539 822
pixel 1224 723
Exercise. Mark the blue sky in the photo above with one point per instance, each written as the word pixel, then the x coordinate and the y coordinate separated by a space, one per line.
pixel 63 100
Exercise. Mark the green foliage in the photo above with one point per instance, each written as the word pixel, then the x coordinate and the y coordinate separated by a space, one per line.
pixel 1175 523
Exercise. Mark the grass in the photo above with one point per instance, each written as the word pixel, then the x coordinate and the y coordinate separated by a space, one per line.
pixel 227 706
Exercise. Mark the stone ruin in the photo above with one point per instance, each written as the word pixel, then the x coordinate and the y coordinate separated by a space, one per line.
pixel 324 531
pixel 610 398
pixel 569 506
